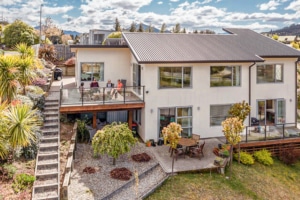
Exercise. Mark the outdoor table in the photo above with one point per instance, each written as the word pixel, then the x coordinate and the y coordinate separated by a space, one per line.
pixel 187 143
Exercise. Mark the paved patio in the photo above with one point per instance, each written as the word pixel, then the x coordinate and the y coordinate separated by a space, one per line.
pixel 188 164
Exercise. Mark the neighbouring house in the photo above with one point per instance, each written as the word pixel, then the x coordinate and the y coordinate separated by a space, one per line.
pixel 287 39
pixel 94 37
pixel 191 79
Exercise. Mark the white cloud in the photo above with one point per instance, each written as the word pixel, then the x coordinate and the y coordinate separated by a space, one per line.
pixel 271 5
pixel 174 0
pixel 295 5
pixel 160 2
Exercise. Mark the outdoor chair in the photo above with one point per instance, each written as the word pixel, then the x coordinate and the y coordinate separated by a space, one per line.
pixel 179 152
pixel 197 151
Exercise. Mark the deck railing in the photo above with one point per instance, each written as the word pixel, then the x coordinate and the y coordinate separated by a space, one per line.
pixel 268 132
pixel 101 95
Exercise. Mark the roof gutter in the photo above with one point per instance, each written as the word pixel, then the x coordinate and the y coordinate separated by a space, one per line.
pixel 249 123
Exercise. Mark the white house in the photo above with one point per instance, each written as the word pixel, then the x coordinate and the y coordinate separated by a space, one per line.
pixel 193 79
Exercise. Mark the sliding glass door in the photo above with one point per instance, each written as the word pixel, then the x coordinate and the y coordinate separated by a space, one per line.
pixel 271 111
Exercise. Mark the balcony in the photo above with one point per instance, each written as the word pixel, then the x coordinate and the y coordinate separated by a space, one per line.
pixel 97 99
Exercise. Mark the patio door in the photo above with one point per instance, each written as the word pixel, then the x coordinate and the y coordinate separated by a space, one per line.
pixel 136 78
pixel 271 111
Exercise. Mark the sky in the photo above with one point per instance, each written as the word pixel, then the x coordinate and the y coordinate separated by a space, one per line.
pixel 83 15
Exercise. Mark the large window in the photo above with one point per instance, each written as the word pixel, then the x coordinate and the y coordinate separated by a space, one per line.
pixel 180 115
pixel 89 71
pixel 218 113
pixel 272 73
pixel 225 76
pixel 175 77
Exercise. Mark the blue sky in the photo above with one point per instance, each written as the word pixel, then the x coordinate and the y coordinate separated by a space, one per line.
pixel 82 15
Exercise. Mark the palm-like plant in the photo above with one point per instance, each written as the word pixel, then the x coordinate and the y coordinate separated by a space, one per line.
pixel 24 50
pixel 3 133
pixel 26 72
pixel 8 77
pixel 23 124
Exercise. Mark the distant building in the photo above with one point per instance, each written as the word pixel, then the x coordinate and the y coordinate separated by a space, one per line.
pixel 94 37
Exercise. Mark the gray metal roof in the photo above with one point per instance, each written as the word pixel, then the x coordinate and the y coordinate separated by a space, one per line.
pixel 242 46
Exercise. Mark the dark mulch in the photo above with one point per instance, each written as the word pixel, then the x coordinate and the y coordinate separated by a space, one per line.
pixel 89 170
pixel 121 174
pixel 143 157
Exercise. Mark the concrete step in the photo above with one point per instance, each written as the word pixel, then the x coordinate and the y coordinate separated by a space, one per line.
pixel 50 112
pixel 46 144
pixel 56 109
pixel 50 124
pixel 47 130
pixel 54 119
pixel 49 192
pixel 44 159
pixel 48 150
pixel 54 136
pixel 46 180
pixel 47 169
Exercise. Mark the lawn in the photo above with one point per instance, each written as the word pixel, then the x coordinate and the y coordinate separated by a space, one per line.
pixel 247 182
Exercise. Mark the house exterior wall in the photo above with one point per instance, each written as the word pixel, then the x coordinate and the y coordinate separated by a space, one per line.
pixel 116 63
pixel 285 90
pixel 201 96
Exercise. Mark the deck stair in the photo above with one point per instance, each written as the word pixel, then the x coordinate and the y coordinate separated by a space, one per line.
pixel 47 170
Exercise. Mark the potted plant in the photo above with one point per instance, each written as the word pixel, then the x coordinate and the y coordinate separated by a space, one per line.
pixel 148 143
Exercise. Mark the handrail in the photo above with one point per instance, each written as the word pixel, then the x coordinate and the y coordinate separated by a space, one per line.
pixel 271 132
pixel 102 95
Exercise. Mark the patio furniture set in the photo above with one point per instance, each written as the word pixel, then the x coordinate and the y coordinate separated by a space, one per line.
pixel 189 146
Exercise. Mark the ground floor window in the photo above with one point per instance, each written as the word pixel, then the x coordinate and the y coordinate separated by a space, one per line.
pixel 137 116
pixel 180 115
pixel 218 113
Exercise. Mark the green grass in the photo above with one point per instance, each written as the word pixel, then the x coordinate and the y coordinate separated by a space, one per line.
pixel 278 181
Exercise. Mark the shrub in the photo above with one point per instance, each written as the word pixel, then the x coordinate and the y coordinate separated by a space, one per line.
pixel 264 157
pixel 8 171
pixel 24 100
pixel 289 156
pixel 22 181
pixel 245 158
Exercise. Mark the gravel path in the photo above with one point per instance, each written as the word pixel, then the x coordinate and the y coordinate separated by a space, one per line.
pixel 98 185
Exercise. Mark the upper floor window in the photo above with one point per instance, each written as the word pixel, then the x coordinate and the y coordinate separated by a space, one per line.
pixel 175 77
pixel 218 113
pixel 270 73
pixel 225 76
pixel 92 70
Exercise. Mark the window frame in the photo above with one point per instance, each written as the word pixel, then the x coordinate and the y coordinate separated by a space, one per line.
pixel 214 117
pixel 233 78
pixel 264 79
pixel 182 79
pixel 101 71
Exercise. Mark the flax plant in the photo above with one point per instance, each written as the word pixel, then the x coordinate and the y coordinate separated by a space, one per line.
pixel 3 133
pixel 23 124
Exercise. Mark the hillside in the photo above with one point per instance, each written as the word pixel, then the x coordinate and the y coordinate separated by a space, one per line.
pixel 293 29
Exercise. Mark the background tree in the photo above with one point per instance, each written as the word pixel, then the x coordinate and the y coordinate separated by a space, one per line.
pixel 1 30
pixel 232 127
pixel 176 29
pixel 117 25
pixel 195 31
pixel 141 28
pixel 150 28
pixel 18 32
pixel 65 38
pixel 51 31
pixel 132 27
pixel 275 37
pixel 183 31
pixel 163 28
pixel 114 140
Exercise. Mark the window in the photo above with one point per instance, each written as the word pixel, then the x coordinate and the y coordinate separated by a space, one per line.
pixel 89 71
pixel 180 115
pixel 270 73
pixel 218 113
pixel 175 77
pixel 225 76
pixel 137 116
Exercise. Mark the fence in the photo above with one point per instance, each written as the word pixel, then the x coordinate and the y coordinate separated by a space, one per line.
pixel 63 52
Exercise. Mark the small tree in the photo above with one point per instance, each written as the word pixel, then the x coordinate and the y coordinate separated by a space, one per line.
pixel 163 28
pixel 141 28
pixel 232 127
pixel 114 140
pixel 240 110
pixel 117 25
pixel 132 27
pixel 171 133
